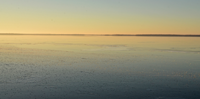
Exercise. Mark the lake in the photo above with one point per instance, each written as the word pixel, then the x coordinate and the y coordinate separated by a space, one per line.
pixel 99 67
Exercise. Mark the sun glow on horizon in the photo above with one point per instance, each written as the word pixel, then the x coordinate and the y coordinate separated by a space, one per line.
pixel 99 17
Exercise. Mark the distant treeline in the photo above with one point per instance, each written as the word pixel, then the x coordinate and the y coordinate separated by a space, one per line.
pixel 169 35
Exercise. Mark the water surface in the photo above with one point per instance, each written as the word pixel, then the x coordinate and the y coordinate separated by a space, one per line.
pixel 110 67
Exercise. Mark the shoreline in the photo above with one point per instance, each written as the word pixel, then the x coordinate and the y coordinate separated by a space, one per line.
pixel 155 35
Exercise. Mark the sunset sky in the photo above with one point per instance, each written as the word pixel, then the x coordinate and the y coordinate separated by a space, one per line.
pixel 100 16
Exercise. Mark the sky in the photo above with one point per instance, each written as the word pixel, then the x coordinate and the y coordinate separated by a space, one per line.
pixel 100 16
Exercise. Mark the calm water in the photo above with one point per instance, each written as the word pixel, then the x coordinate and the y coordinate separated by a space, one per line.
pixel 99 67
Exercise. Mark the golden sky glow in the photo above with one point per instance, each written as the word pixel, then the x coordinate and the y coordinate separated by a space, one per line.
pixel 60 17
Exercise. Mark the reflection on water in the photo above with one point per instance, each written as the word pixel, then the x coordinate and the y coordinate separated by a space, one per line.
pixel 99 67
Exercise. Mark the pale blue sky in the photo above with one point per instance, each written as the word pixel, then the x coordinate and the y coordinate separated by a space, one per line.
pixel 125 16
pixel 133 7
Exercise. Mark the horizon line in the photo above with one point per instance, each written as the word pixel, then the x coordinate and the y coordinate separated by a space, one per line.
pixel 171 35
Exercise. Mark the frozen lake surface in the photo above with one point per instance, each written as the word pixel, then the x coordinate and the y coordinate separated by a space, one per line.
pixel 99 67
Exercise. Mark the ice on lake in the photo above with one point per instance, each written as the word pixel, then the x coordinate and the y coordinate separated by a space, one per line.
pixel 100 67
